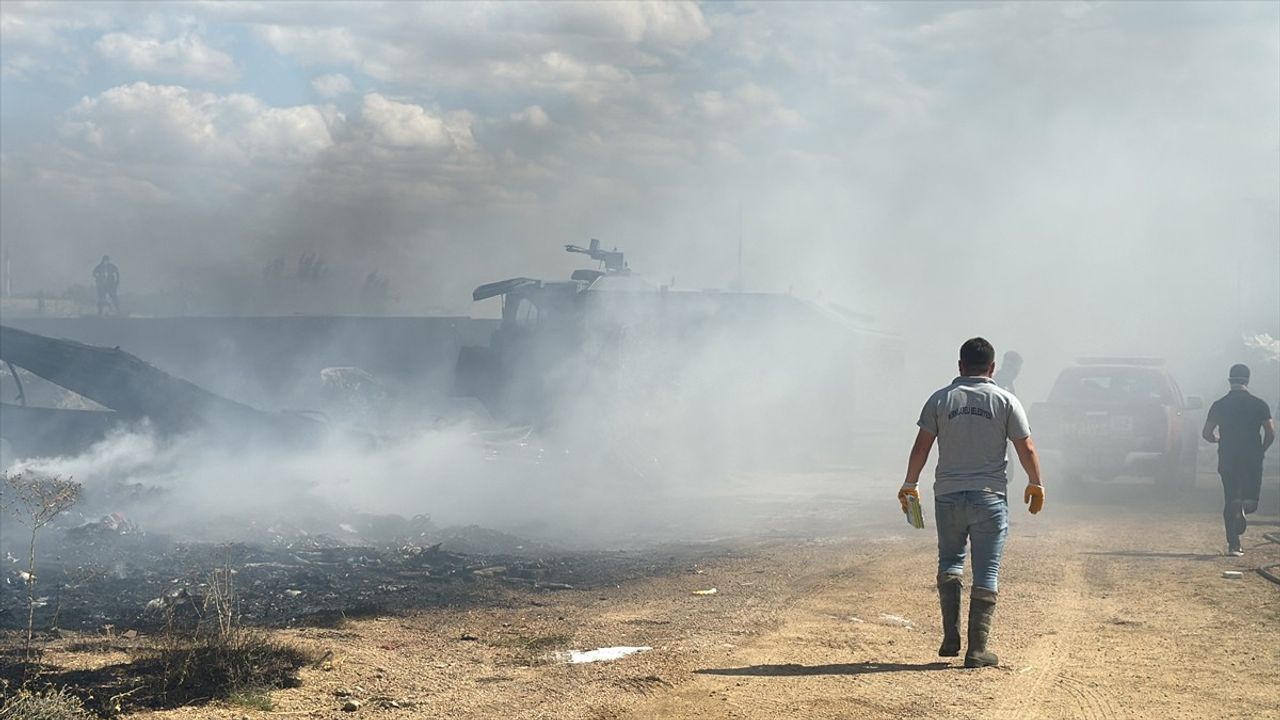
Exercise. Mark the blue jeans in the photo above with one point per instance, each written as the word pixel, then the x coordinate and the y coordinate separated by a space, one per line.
pixel 977 518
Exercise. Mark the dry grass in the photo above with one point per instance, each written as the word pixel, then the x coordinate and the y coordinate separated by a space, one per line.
pixel 239 663
pixel 216 660
pixel 46 705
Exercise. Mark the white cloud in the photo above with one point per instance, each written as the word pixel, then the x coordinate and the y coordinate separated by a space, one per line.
pixel 581 51
pixel 315 45
pixel 746 107
pixel 185 56
pixel 22 66
pixel 41 24
pixel 332 85
pixel 403 125
pixel 533 116
pixel 667 25
pixel 36 40
pixel 141 122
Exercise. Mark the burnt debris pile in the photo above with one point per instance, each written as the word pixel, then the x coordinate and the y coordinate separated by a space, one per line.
pixel 111 573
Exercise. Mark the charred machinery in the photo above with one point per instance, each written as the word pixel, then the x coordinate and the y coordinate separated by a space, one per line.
pixel 606 345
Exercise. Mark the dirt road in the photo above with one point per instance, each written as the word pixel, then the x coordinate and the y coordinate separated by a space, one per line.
pixel 1106 611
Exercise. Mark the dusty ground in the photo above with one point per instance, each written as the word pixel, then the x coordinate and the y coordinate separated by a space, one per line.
pixel 1111 607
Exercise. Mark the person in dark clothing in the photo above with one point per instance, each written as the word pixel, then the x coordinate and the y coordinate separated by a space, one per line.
pixel 107 278
pixel 1008 371
pixel 1241 425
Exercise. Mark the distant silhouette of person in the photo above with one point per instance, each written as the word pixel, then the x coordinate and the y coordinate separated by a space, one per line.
pixel 1007 371
pixel 106 276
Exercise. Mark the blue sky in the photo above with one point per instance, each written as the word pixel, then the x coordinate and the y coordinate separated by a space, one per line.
pixel 450 144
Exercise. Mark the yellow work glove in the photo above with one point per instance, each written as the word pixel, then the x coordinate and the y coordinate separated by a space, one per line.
pixel 1034 498
pixel 908 490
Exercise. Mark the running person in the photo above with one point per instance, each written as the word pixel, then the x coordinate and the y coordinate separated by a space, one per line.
pixel 1235 423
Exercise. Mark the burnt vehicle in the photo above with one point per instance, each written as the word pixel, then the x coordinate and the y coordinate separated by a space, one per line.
pixel 1108 417
pixel 608 351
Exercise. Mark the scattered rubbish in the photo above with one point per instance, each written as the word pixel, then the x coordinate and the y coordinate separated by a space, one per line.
pixel 114 524
pixel 172 598
pixel 894 621
pixel 1232 574
pixel 712 591
pixel 552 586
pixel 577 657
pixel 468 637
pixel 287 574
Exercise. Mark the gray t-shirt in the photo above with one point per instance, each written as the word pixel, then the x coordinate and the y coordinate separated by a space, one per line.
pixel 974 420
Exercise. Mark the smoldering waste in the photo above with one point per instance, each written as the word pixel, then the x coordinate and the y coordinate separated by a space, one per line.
pixel 111 572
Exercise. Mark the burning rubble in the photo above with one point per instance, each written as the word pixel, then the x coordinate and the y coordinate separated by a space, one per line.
pixel 111 572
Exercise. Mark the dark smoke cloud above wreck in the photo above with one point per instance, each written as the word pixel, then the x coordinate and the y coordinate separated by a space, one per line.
pixel 873 152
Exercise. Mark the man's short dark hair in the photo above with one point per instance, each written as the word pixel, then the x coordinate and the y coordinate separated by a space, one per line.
pixel 976 355
pixel 1239 374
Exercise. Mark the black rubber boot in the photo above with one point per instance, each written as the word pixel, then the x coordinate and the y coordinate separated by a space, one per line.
pixel 982 610
pixel 949 587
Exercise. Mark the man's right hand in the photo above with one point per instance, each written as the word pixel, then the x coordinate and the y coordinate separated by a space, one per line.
pixel 1034 498
pixel 908 490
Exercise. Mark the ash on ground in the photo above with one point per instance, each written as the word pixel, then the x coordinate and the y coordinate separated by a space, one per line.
pixel 110 572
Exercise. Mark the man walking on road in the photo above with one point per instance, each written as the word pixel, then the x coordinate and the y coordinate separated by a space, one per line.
pixel 972 419
pixel 1234 423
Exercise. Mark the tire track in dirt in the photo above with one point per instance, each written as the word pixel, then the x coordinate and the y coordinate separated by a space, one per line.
pixel 786 663
pixel 1092 704
pixel 1043 682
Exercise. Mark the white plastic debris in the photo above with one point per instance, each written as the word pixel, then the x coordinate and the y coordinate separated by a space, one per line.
pixel 894 620
pixel 577 657
pixel 712 591
pixel 1232 574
